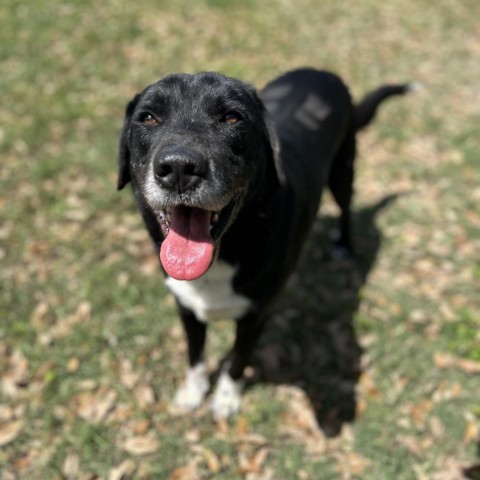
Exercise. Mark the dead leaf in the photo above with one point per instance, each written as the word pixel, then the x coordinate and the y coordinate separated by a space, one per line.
pixel 449 468
pixel 128 376
pixel 124 471
pixel 253 439
pixel 469 366
pixel 437 428
pixel 121 413
pixel 223 426
pixel 141 427
pixel 26 461
pixel 9 432
pixel 361 407
pixel 64 326
pixel 6 413
pixel 19 368
pixel 188 472
pixel 73 364
pixel 210 457
pixel 260 457
pixel 193 436
pixel 357 463
pixel 141 445
pixel 299 420
pixel 368 386
pixel 244 464
pixel 38 319
pixel 71 467
pixel 420 412
pixel 95 407
pixel 212 460
pixel 402 383
pixel 411 444
pixel 144 395
pixel 8 387
pixel 254 463
pixel 242 425
pixel 446 360
pixel 472 430
pixel 303 475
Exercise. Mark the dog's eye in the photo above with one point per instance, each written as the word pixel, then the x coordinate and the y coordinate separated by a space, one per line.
pixel 232 117
pixel 148 119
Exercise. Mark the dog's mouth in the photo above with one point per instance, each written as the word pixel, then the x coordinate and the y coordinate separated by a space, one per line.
pixel 190 234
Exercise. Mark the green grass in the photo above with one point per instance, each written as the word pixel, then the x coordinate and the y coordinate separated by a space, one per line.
pixel 348 381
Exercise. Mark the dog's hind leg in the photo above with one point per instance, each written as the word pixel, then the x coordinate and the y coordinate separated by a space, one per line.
pixel 192 392
pixel 340 182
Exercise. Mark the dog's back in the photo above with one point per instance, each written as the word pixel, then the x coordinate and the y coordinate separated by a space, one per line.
pixel 312 113
pixel 316 122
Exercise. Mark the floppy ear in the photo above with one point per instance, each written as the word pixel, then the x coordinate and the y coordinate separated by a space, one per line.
pixel 275 147
pixel 124 150
pixel 268 128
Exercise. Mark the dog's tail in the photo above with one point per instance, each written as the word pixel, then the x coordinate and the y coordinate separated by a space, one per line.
pixel 367 108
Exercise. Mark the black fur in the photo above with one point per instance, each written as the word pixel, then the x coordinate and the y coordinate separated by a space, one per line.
pixel 268 168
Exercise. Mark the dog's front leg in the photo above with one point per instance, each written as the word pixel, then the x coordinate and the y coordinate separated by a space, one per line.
pixel 191 393
pixel 227 396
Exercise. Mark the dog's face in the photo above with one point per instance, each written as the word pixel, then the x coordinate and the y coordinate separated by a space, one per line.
pixel 194 147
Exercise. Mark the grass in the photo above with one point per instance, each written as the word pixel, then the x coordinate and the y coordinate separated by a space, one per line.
pixel 369 368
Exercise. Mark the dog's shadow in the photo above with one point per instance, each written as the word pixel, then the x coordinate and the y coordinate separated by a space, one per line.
pixel 310 341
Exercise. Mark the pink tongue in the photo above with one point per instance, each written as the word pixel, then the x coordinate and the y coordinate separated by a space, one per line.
pixel 187 251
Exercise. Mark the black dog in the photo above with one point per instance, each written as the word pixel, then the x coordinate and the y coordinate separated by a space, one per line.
pixel 229 182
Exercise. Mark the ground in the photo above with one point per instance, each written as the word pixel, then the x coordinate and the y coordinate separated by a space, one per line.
pixel 370 368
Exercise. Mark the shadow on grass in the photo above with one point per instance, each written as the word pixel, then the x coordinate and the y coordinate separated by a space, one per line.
pixel 310 341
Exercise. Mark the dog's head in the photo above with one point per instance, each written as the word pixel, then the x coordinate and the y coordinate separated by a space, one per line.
pixel 196 147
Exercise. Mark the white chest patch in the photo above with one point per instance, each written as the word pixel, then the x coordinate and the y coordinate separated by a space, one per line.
pixel 211 297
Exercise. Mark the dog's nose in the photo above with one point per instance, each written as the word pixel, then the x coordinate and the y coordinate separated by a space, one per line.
pixel 179 169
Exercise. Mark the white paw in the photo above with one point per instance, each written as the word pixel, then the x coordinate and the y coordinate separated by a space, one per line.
pixel 226 399
pixel 192 393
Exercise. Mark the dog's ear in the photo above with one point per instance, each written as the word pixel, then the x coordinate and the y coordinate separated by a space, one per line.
pixel 124 150
pixel 271 135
